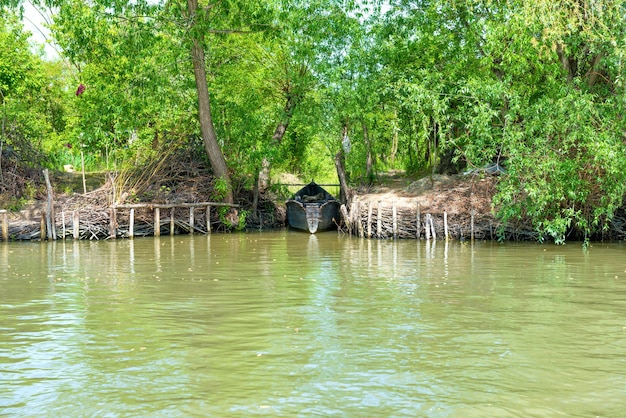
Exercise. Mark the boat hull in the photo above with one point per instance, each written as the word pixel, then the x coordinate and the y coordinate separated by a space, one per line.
pixel 313 209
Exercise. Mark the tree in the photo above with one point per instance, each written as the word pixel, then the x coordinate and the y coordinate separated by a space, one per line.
pixel 32 111
pixel 531 84
pixel 216 157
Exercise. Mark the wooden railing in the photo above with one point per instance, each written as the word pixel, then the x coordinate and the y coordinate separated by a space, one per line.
pixel 156 207
pixel 48 221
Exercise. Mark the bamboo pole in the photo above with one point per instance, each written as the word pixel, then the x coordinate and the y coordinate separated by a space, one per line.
pixel 75 225
pixel 208 219
pixel 131 222
pixel 157 222
pixel 5 225
pixel 445 224
pixel 191 220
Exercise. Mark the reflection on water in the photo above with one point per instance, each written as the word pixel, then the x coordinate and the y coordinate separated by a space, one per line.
pixel 292 324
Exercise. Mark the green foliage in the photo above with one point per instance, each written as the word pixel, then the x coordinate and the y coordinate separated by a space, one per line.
pixel 537 86
pixel 220 189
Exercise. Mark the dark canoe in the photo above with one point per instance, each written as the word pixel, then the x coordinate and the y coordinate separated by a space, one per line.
pixel 313 209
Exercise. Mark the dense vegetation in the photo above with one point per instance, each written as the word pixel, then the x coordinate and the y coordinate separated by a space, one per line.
pixel 423 86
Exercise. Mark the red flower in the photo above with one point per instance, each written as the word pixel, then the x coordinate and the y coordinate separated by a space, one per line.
pixel 81 89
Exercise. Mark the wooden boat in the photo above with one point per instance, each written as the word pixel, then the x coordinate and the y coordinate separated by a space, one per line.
pixel 313 209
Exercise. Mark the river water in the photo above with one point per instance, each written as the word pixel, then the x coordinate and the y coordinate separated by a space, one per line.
pixel 288 324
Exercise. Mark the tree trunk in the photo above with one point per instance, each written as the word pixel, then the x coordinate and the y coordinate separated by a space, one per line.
pixel 263 181
pixel 592 74
pixel 209 136
pixel 343 178
pixel 394 144
pixel 368 160
pixel 565 62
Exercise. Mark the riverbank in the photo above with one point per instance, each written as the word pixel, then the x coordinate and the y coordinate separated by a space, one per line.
pixel 458 207
pixel 398 207
pixel 440 206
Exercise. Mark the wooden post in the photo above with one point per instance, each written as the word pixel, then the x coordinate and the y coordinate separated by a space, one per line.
pixel 394 220
pixel 172 223
pixel 379 221
pixel 369 220
pixel 76 225
pixel 157 222
pixel 112 223
pixel 472 225
pixel 131 221
pixel 208 219
pixel 445 224
pixel 63 222
pixel 359 225
pixel 432 228
pixel 427 227
pixel 419 221
pixel 42 227
pixel 5 225
pixel 345 215
pixel 354 208
pixel 191 220
pixel 49 208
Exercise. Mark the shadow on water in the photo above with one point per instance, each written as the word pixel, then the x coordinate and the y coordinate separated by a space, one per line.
pixel 293 324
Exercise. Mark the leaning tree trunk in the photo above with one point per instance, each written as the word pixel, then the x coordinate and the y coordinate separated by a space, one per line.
pixel 263 179
pixel 213 150
pixel 340 164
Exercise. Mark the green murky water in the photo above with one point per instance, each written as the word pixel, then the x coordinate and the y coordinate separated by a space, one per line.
pixel 287 324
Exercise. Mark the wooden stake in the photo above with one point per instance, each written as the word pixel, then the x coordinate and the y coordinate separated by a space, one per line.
pixel 112 223
pixel 76 225
pixel 5 225
pixel 157 222
pixel 427 227
pixel 379 221
pixel 419 221
pixel 42 228
pixel 49 208
pixel 445 224
pixel 432 228
pixel 359 225
pixel 394 220
pixel 369 220
pixel 172 221
pixel 472 225
pixel 346 217
pixel 63 223
pixel 131 226
pixel 208 219
pixel 191 220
